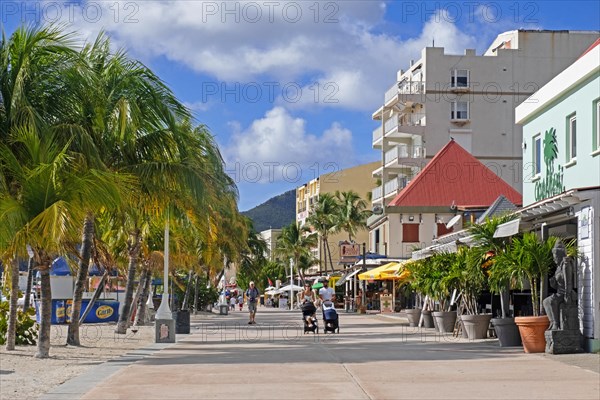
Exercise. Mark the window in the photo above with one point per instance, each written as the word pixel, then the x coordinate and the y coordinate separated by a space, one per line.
pixel 459 78
pixel 377 241
pixel 597 125
pixel 537 154
pixel 410 233
pixel 459 110
pixel 571 137
pixel 442 230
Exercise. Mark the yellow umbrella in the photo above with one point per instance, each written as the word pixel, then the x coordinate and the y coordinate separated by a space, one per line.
pixel 381 273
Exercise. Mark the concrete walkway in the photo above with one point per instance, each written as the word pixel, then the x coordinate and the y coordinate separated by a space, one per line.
pixel 372 358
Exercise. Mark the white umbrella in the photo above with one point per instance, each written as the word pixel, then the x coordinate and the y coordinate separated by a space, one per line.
pixel 268 288
pixel 287 288
pixel 271 292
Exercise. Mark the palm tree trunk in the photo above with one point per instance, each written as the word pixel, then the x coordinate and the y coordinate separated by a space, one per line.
pixel 133 249
pixel 196 278
pixel 30 268
pixel 82 276
pixel 188 289
pixel 43 347
pixel 11 334
pixel 135 302
pixel 329 252
pixel 140 317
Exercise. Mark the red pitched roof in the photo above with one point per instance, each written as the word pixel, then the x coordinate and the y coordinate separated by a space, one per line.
pixel 454 176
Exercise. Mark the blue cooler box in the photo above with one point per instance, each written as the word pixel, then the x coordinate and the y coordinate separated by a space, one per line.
pixel 102 311
pixel 58 312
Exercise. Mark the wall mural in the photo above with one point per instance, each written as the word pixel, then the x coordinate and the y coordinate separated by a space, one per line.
pixel 552 182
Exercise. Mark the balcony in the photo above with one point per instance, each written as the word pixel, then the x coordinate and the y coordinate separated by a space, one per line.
pixel 392 187
pixel 377 136
pixel 399 154
pixel 376 194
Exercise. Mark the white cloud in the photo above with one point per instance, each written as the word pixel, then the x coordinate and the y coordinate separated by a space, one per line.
pixel 337 44
pixel 278 146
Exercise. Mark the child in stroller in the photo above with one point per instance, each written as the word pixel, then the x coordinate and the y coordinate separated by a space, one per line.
pixel 308 317
pixel 330 317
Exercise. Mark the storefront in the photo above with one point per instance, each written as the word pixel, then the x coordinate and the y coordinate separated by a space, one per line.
pixel 561 175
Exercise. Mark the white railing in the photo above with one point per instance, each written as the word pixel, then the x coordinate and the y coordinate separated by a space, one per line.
pixel 390 124
pixel 415 87
pixel 377 134
pixel 377 193
pixel 395 184
pixel 391 92
pixel 413 119
pixel 404 151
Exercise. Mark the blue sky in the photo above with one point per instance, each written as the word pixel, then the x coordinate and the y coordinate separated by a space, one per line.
pixel 288 87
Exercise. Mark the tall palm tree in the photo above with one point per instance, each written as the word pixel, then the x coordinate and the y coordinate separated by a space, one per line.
pixel 295 243
pixel 352 213
pixel 322 218
pixel 49 193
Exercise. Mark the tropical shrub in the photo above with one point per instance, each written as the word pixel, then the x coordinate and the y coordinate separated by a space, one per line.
pixel 26 333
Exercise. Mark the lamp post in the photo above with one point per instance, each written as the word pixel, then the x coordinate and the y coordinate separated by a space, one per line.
pixel 165 324
pixel 164 311
pixel 291 284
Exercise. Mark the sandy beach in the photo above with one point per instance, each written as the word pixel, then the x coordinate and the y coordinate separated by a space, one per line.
pixel 22 376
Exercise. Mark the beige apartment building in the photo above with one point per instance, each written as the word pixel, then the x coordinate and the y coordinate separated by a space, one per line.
pixel 270 236
pixel 358 179
pixel 470 98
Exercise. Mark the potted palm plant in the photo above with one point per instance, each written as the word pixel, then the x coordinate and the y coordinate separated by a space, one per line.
pixel 421 283
pixel 470 278
pixel 528 259
pixel 499 278
pixel 441 285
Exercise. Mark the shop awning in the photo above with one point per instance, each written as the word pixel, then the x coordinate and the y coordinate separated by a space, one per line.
pixel 347 276
pixel 386 271
pixel 507 229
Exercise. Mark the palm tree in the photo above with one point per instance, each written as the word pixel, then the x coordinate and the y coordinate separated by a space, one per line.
pixel 322 218
pixel 295 243
pixel 49 192
pixel 352 213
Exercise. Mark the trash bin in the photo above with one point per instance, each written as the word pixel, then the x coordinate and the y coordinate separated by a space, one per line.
pixel 182 321
pixel 223 309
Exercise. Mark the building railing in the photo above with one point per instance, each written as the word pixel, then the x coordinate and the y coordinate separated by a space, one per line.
pixel 409 87
pixel 412 119
pixel 395 184
pixel 377 134
pixel 404 151
pixel 390 124
pixel 377 193
pixel 391 92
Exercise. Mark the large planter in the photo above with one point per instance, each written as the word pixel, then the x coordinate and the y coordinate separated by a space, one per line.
pixel 427 319
pixel 445 320
pixel 532 333
pixel 463 330
pixel 476 326
pixel 507 332
pixel 413 316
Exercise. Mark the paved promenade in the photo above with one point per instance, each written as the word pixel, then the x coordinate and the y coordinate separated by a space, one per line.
pixel 373 357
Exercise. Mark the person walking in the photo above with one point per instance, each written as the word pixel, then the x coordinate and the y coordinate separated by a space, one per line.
pixel 232 302
pixel 252 296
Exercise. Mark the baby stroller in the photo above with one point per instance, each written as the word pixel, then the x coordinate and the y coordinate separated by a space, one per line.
pixel 330 317
pixel 309 318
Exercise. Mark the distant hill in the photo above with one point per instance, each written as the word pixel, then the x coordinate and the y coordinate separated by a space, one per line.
pixel 275 213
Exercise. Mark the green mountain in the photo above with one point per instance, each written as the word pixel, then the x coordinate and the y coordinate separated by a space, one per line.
pixel 274 213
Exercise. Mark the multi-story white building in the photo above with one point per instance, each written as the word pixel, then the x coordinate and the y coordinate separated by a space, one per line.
pixel 470 98
pixel 270 236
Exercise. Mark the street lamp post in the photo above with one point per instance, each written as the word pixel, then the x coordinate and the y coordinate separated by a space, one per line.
pixel 165 324
pixel 291 284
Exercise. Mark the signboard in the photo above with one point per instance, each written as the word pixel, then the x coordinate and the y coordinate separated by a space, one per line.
pixel 349 252
pixel 552 183
pixel 386 302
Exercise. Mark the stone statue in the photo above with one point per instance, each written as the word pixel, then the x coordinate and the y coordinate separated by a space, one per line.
pixel 562 281
pixel 563 335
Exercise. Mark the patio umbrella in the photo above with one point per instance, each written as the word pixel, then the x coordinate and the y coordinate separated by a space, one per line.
pixel 317 285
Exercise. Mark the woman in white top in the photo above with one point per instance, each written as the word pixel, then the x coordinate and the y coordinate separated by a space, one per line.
pixel 307 294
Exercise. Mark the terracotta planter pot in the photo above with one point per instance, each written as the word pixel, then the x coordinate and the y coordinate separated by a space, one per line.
pixel 507 332
pixel 476 326
pixel 427 319
pixel 413 316
pixel 532 333
pixel 445 320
